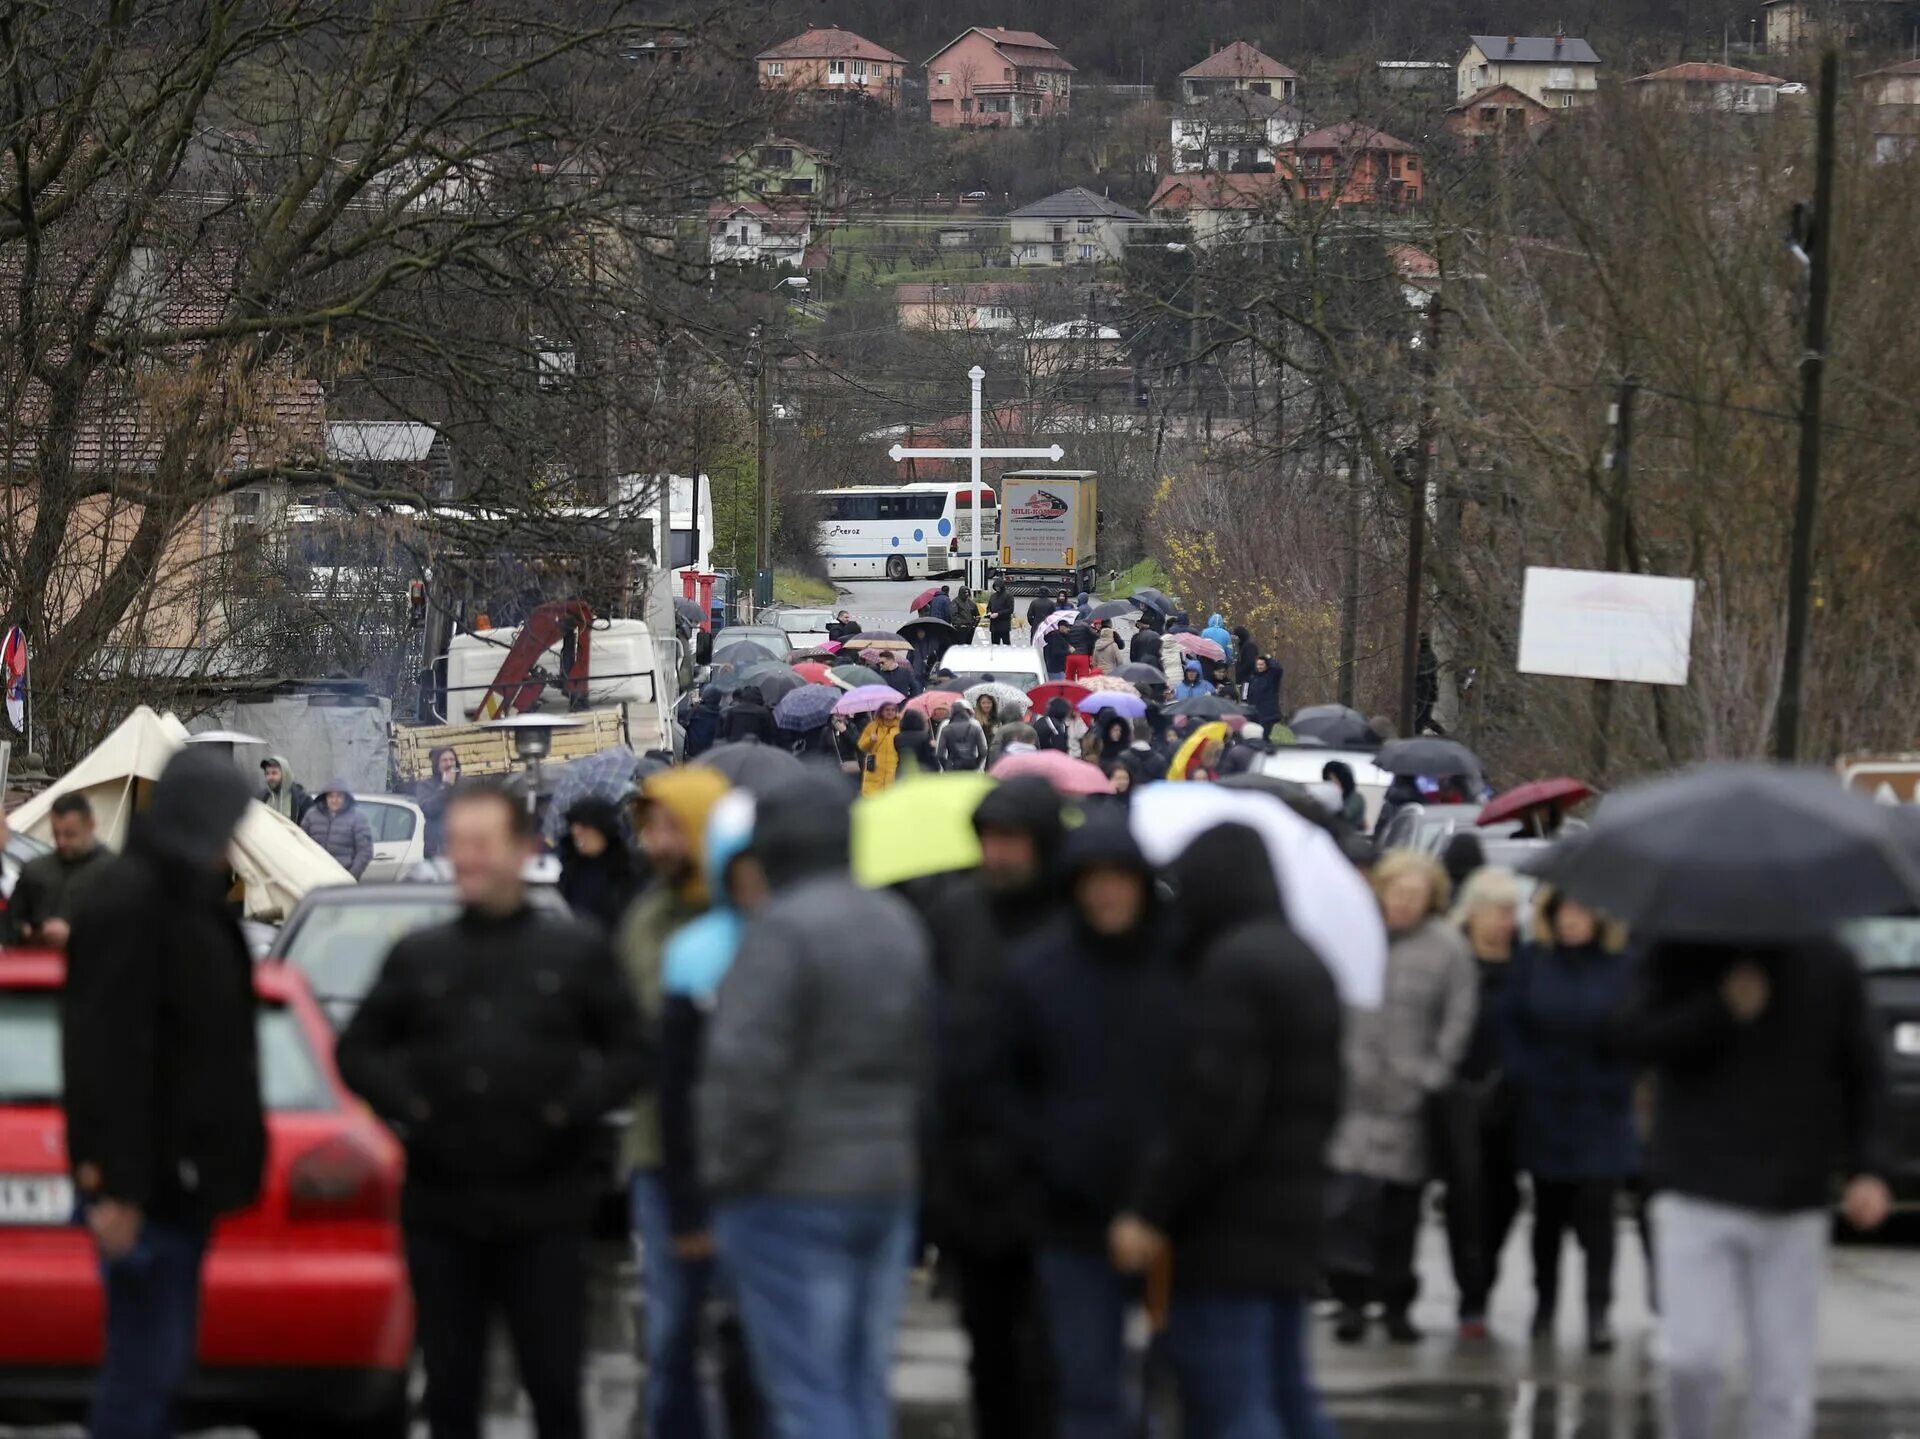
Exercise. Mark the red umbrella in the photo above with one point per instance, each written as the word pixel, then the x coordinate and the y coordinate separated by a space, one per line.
pixel 1563 791
pixel 1057 690
pixel 813 672
pixel 925 597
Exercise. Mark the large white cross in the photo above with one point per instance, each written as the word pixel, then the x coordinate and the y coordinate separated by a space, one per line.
pixel 976 575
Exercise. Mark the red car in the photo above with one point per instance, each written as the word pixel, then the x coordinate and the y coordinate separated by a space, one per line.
pixel 306 1319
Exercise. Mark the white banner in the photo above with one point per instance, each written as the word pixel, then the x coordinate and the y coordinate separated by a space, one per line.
pixel 1598 625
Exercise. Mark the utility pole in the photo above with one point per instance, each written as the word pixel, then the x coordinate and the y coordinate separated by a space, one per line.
pixel 1813 239
pixel 1417 525
pixel 1619 478
pixel 763 471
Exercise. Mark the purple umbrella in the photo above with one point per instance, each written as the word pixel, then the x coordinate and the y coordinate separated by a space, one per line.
pixel 867 699
pixel 807 708
pixel 1129 706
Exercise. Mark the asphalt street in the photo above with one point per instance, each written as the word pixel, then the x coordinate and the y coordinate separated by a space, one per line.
pixel 1509 1389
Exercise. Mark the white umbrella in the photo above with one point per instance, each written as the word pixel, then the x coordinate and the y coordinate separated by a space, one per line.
pixel 1004 695
pixel 1328 901
pixel 1053 622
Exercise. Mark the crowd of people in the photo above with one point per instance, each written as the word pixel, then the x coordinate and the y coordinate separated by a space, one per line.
pixel 1078 1082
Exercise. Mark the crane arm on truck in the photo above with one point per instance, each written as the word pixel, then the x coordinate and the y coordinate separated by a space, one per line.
pixel 518 685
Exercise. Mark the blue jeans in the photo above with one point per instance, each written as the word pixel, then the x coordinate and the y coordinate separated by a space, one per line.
pixel 1242 1362
pixel 1086 1301
pixel 821 1285
pixel 153 1317
pixel 674 1292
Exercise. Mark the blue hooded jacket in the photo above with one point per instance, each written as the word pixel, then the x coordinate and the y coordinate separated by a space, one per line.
pixel 1218 632
pixel 696 959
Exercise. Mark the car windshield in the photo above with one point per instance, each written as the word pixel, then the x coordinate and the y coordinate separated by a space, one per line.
pixel 340 947
pixel 767 638
pixel 1882 945
pixel 290 1077
pixel 804 621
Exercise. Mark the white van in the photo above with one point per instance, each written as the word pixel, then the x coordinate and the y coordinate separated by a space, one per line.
pixel 623 672
pixel 1303 763
pixel 1017 665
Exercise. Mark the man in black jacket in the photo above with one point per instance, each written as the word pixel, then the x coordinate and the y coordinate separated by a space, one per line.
pixel 1144 649
pixel 1766 1073
pixel 749 717
pixel 1000 614
pixel 51 886
pixel 1237 1185
pixel 496 1045
pixel 162 1082
pixel 1090 1030
pixel 979 1212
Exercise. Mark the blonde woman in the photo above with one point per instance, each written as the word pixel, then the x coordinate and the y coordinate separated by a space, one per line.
pixel 1481 1164
pixel 1398 1058
pixel 1568 998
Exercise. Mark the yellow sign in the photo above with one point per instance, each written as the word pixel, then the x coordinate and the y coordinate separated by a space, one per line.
pixel 1066 557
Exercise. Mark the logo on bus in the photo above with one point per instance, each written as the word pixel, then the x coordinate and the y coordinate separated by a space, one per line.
pixel 1043 506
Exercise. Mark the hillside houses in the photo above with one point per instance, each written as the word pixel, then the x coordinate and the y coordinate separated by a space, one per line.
pixel 987 77
pixel 1560 72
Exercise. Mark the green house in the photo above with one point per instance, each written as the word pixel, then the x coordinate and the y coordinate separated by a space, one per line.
pixel 785 170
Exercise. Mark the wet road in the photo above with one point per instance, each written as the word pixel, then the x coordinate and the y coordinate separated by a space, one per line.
pixel 1506 1390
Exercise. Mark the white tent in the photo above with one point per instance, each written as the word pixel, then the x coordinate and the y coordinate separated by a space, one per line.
pixel 272 855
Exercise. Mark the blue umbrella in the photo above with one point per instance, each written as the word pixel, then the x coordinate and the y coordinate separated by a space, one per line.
pixel 1126 706
pixel 806 708
pixel 607 775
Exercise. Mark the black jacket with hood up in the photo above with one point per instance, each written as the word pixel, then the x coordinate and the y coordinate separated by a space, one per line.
pixel 1090 1033
pixel 1238 1179
pixel 161 1062
pixel 976 1195
pixel 748 717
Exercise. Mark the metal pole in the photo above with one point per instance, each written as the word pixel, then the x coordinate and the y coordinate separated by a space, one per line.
pixel 976 576
pixel 1812 372
pixel 1417 528
pixel 1615 556
pixel 763 532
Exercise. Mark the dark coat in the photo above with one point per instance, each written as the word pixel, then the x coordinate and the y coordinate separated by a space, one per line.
pixel 1245 652
pixel 1565 1008
pixel 496 1045
pixel 1144 648
pixel 1038 609
pixel 1238 1183
pixel 159 1051
pixel 432 796
pixel 977 1196
pixel 1090 1039
pixel 749 718
pixel 1263 693
pixel 703 729
pixel 347 836
pixel 1051 728
pixel 1000 605
pixel 902 678
pixel 915 742
pixel 52 887
pixel 1761 1115
pixel 940 607
pixel 1053 650
pixel 599 889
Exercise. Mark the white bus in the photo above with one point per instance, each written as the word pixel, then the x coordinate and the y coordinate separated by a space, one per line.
pixel 904 532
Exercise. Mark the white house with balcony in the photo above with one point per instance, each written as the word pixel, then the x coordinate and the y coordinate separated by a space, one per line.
pixel 754 233
pixel 1074 227
pixel 1560 72
pixel 1240 131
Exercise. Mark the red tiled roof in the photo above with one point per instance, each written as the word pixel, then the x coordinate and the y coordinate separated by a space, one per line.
pixel 1221 192
pixel 1023 47
pixel 827 42
pixel 286 423
pixel 1239 61
pixel 792 219
pixel 1505 91
pixel 1352 135
pixel 1413 263
pixel 1699 72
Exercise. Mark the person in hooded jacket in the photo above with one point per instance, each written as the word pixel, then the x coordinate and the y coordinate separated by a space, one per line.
pixel 1038 608
pixel 1053 730
pixel 963 743
pixel 1192 684
pixel 1236 1186
pixel 1089 1042
pixel 1144 649
pixel 1116 738
pixel 165 1131
pixel 807 1116
pixel 431 794
pixel 1107 654
pixel 673 813
pixel 282 793
pixel 1053 652
pixel 1244 652
pixel 1000 614
pixel 748 717
pixel 340 827
pixel 703 730
pixel 1263 691
pixel 1218 632
pixel 598 879
pixel 980 1206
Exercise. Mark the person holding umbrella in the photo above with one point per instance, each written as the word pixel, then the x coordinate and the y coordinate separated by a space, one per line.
pixel 1398 1058
pixel 748 717
pixel 878 746
pixel 1565 999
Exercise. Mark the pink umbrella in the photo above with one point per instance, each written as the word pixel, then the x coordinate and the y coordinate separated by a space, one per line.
pixel 1200 646
pixel 866 699
pixel 1066 774
pixel 1053 622
pixel 934 704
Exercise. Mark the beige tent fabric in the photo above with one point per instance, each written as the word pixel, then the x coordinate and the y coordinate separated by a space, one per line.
pixel 273 856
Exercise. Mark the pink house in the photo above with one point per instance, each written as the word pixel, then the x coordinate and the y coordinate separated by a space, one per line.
pixel 993 77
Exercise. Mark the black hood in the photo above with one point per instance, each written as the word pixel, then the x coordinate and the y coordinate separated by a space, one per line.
pixel 1224 879
pixel 801 828
pixel 1104 839
pixel 1025 806
pixel 197 804
pixel 1058 710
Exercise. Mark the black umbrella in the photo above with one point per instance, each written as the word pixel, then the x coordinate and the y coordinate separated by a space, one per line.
pixel 1335 725
pixel 930 635
pixel 690 611
pixel 1207 707
pixel 742 653
pixel 1142 675
pixel 753 766
pixel 728 679
pixel 1428 755
pixel 1152 599
pixel 774 681
pixel 1111 610
pixel 1737 853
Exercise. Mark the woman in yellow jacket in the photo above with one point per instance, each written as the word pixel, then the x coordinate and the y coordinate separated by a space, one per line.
pixel 877 744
